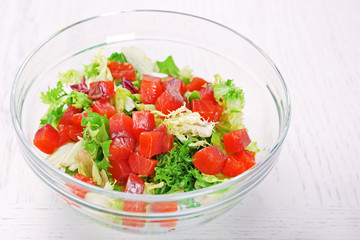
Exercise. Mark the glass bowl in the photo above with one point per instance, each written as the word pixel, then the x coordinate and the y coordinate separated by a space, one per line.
pixel 207 47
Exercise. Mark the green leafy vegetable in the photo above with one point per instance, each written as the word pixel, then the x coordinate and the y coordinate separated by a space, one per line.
pixel 168 67
pixel 176 169
pixel 91 70
pixel 71 76
pixel 253 147
pixel 53 95
pixel 123 101
pixel 96 139
pixel 117 57
pixel 194 95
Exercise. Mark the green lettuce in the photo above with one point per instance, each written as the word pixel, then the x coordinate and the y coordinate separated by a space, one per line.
pixel 124 101
pixel 96 139
pixel 168 67
pixel 252 147
pixel 117 57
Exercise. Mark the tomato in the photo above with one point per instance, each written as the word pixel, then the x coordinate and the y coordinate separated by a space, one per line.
pixel 103 107
pixel 66 117
pixel 168 143
pixel 209 160
pixel 233 166
pixel 121 125
pixel 169 100
pixel 84 179
pixel 101 90
pixel 46 139
pixel 141 165
pixel 207 93
pixel 236 141
pixel 143 121
pixel 150 91
pixel 67 132
pixel 77 118
pixel 134 184
pixel 196 84
pixel 150 143
pixel 161 207
pixel 247 157
pixel 120 170
pixel 121 147
pixel 122 70
pixel 148 78
pixel 78 191
pixel 174 83
pixel 207 109
pixel 162 128
pixel 63 134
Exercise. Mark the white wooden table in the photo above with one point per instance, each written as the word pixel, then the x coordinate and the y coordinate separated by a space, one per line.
pixel 314 190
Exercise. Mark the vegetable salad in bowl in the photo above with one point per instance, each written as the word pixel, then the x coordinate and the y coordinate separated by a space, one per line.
pixel 126 123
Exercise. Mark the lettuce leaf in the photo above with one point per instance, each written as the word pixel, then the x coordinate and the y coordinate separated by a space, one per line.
pixel 123 101
pixel 168 67
pixel 117 57
pixel 252 147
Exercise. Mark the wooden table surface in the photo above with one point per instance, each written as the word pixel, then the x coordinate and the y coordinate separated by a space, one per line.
pixel 314 190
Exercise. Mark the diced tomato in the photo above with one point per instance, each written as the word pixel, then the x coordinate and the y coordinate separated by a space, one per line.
pixel 141 165
pixel 207 93
pixel 67 132
pixel 63 134
pixel 148 78
pixel 120 170
pixel 101 90
pixel 103 107
pixel 77 118
pixel 121 147
pixel 247 157
pixel 168 143
pixel 209 160
pixel 84 178
pixel 122 70
pixel 121 125
pixel 207 109
pixel 161 207
pixel 170 100
pixel 46 139
pixel 150 91
pixel 66 117
pixel 233 167
pixel 134 184
pixel 174 83
pixel 195 84
pixel 150 143
pixel 236 141
pixel 161 128
pixel 143 121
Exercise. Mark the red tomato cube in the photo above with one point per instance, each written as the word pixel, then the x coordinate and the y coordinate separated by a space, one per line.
pixel 150 91
pixel 209 160
pixel 150 79
pixel 233 166
pixel 168 143
pixel 162 128
pixel 151 143
pixel 46 139
pixel 121 70
pixel 170 100
pixel 207 109
pixel 121 148
pixel 195 84
pixel 66 117
pixel 143 121
pixel 63 134
pixel 207 93
pixel 67 132
pixel 141 165
pixel 77 118
pixel 120 170
pixel 103 107
pixel 236 141
pixel 101 90
pixel 134 184
pixel 84 179
pixel 175 84
pixel 121 125
pixel 247 157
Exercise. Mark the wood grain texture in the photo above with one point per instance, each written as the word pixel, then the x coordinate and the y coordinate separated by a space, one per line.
pixel 312 193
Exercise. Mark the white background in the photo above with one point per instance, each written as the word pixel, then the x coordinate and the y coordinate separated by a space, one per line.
pixel 314 190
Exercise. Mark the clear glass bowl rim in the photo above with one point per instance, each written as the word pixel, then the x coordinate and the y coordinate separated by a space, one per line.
pixel 151 198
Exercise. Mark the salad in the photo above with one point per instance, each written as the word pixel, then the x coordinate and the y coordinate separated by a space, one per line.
pixel 126 123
